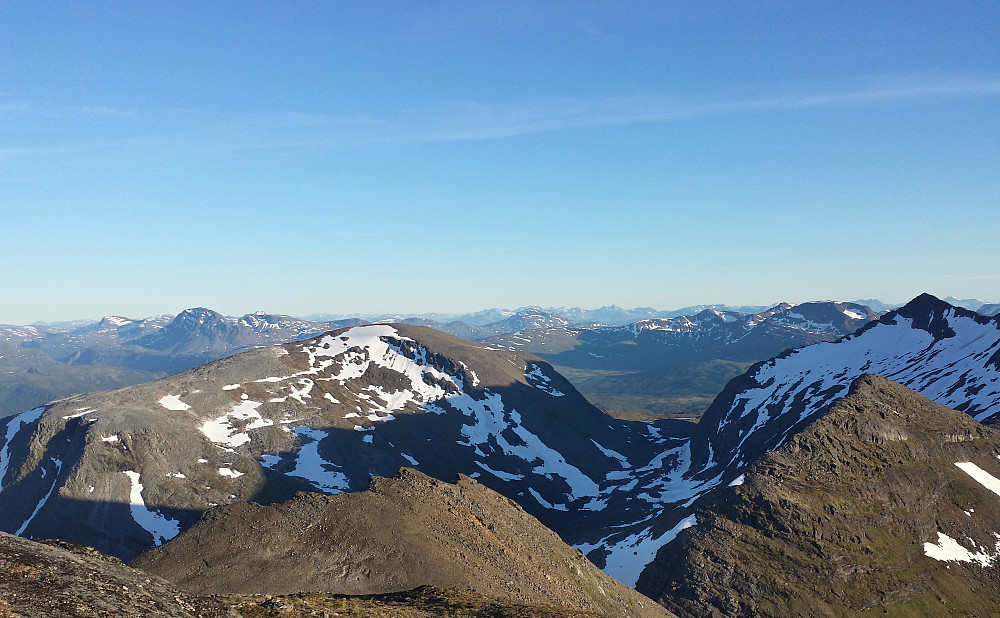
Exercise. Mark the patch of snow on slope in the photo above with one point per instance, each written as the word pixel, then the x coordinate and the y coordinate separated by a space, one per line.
pixel 222 430
pixel 550 506
pixel 159 527
pixel 313 468
pixel 85 412
pixel 613 455
pixel 627 558
pixel 948 549
pixel 233 474
pixel 14 425
pixel 541 381
pixel 490 420
pixel 981 476
pixel 174 403
pixel 503 476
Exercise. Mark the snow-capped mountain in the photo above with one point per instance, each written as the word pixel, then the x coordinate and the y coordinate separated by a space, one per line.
pixel 524 319
pixel 126 470
pixel 948 354
pixel 709 334
pixel 972 304
pixel 202 331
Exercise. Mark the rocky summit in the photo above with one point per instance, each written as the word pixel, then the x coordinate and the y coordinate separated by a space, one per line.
pixel 887 505
pixel 399 534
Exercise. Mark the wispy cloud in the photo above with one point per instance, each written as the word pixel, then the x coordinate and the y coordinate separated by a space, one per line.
pixel 41 130
pixel 478 121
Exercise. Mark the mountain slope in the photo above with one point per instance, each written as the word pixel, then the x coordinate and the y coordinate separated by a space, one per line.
pixel 52 579
pixel 887 504
pixel 397 535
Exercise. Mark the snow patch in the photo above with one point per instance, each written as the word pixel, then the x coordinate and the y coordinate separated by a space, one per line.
pixel 533 373
pixel 55 478
pixel 174 403
pixel 627 558
pixel 225 429
pixel 14 426
pixel 161 528
pixel 948 549
pixel 310 466
pixel 981 476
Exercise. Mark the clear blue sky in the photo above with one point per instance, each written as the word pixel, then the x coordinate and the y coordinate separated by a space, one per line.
pixel 304 157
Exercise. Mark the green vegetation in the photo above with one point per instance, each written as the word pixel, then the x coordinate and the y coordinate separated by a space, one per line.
pixel 684 391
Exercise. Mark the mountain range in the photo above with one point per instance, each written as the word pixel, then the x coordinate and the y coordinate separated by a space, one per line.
pixel 126 471
pixel 43 362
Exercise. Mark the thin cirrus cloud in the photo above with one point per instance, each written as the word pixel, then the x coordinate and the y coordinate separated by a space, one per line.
pixel 468 121
pixel 99 127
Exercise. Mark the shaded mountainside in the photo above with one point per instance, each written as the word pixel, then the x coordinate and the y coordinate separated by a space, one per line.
pixel 399 534
pixel 888 504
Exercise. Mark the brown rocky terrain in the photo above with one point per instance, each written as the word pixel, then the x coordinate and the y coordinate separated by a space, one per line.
pixel 841 520
pixel 54 579
pixel 400 534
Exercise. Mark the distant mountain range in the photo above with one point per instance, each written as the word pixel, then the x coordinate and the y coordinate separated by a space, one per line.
pixel 42 362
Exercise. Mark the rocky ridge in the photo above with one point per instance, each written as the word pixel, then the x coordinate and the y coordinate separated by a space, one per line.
pixel 399 534
pixel 888 504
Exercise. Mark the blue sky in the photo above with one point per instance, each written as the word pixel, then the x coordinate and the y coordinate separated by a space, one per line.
pixel 338 157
